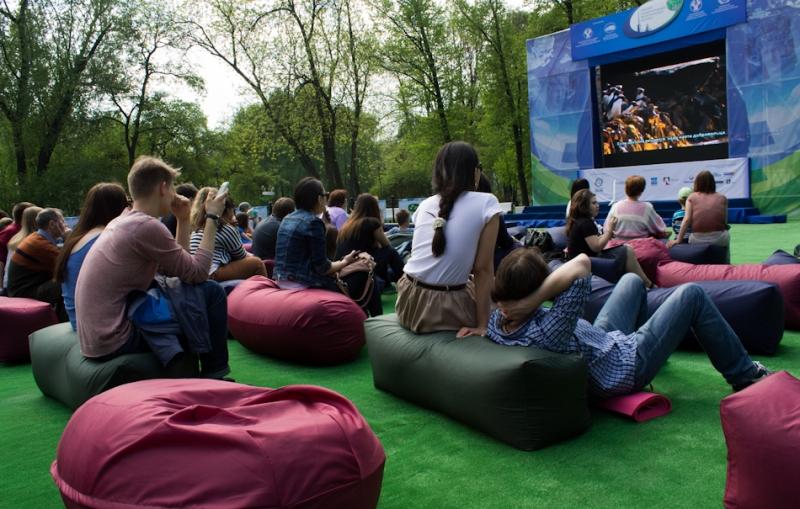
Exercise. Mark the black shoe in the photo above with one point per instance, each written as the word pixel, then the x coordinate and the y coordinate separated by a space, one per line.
pixel 761 373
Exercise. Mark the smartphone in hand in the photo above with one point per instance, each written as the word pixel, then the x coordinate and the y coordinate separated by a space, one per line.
pixel 224 187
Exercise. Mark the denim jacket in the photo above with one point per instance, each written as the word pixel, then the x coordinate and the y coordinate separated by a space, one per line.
pixel 300 251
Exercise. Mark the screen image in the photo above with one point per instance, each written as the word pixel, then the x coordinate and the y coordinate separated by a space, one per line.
pixel 669 107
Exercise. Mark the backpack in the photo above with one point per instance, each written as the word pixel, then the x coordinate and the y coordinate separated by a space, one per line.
pixel 541 239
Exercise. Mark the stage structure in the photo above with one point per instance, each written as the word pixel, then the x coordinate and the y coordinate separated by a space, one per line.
pixel 665 90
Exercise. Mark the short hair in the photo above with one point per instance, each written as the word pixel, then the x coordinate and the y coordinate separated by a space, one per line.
pixel 307 192
pixel 243 220
pixel 282 207
pixel 187 190
pixel 577 185
pixel 704 182
pixel 520 273
pixel 5 221
pixel 244 206
pixel 337 198
pixel 147 173
pixel 402 216
pixel 634 186
pixel 44 217
pixel 18 209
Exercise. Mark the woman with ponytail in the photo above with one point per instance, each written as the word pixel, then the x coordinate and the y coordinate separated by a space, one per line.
pixel 449 276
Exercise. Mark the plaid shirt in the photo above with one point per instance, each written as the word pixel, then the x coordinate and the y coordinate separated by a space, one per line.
pixel 611 356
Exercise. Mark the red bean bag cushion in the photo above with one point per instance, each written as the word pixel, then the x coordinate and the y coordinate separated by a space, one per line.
pixel 762 430
pixel 207 443
pixel 307 326
pixel 649 251
pixel 20 318
pixel 787 277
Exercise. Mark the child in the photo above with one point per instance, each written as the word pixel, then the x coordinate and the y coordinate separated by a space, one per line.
pixel 677 217
pixel 624 350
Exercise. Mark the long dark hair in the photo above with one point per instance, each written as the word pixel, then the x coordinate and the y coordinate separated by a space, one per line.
pixel 453 174
pixel 580 207
pixel 103 202
pixel 366 206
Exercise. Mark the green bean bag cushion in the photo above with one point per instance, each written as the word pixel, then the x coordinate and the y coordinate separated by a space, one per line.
pixel 64 374
pixel 526 397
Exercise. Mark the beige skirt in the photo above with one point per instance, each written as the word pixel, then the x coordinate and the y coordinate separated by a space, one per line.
pixel 427 310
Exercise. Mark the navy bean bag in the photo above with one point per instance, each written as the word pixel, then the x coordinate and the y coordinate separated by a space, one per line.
pixel 754 309
pixel 699 254
pixel 309 326
pixel 524 396
pixel 781 257
pixel 64 374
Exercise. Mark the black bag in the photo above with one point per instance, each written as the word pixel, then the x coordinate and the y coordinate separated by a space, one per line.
pixel 541 239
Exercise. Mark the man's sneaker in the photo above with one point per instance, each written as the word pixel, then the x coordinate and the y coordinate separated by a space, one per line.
pixel 761 373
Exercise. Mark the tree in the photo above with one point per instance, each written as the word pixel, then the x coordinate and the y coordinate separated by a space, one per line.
pixel 50 50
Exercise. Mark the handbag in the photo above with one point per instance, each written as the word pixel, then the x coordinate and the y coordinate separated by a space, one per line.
pixel 365 263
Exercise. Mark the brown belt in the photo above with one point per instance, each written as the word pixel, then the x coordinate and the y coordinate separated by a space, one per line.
pixel 438 288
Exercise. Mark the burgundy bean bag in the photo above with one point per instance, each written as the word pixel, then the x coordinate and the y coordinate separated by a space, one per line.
pixel 248 246
pixel 307 326
pixel 207 443
pixel 655 261
pixel 20 318
pixel 762 430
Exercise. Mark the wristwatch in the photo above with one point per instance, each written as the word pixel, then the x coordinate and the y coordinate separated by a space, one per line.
pixel 213 217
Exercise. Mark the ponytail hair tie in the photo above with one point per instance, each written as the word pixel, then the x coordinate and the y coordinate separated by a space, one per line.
pixel 439 222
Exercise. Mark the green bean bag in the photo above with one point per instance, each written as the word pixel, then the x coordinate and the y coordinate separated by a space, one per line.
pixel 64 374
pixel 526 397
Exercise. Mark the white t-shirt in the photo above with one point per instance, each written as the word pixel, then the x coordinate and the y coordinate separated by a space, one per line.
pixel 470 214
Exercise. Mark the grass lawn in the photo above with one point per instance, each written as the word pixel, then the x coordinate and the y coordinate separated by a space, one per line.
pixel 434 462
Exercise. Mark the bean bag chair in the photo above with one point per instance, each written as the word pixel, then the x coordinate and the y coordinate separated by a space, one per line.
pixel 559 236
pixel 526 397
pixel 269 264
pixel 787 277
pixel 64 374
pixel 762 431
pixel 248 246
pixel 230 285
pixel 699 254
pixel 19 318
pixel 309 326
pixel 754 310
pixel 207 443
pixel 781 257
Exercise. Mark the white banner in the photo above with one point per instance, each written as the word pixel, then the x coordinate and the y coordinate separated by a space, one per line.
pixel 664 180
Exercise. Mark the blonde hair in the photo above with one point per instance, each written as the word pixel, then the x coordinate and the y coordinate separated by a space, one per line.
pixel 198 215
pixel 27 227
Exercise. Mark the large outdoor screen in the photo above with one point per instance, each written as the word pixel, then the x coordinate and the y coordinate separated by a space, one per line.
pixel 669 107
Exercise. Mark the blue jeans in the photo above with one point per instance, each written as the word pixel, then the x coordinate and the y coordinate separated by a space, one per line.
pixel 657 337
pixel 213 364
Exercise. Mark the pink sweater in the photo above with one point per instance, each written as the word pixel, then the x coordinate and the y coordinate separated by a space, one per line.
pixel 636 219
pixel 125 258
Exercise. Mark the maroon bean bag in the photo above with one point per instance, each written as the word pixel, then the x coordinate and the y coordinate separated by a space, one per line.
pixel 207 443
pixel 762 430
pixel 20 318
pixel 655 261
pixel 309 326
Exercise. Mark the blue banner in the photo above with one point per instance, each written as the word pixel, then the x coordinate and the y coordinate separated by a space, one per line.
pixel 653 22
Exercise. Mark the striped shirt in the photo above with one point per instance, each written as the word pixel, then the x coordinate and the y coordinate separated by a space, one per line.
pixel 636 220
pixel 611 356
pixel 227 246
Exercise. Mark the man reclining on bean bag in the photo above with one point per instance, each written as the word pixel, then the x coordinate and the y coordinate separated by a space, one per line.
pixel 623 351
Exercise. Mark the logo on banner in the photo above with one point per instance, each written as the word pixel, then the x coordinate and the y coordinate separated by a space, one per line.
pixel 653 181
pixel 666 181
pixel 588 33
pixel 696 5
pixel 723 2
pixel 598 185
pixel 611 27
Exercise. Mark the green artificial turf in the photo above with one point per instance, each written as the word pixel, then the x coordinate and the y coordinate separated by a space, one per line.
pixel 433 462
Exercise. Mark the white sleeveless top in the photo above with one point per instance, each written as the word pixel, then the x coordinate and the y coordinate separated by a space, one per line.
pixel 470 214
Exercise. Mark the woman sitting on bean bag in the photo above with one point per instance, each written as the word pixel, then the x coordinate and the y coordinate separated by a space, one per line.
pixel 363 232
pixel 636 219
pixel 301 259
pixel 706 214
pixel 584 238
pixel 449 276
pixel 230 260
pixel 103 203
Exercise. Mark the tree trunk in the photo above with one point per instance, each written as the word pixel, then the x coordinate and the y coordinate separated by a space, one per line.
pixel 19 150
pixel 437 89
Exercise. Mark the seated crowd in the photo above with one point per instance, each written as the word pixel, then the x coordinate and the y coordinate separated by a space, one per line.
pixel 128 258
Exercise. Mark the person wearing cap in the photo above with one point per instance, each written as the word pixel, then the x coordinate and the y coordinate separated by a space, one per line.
pixel 677 217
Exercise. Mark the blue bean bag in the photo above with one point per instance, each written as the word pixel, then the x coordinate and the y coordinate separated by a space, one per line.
pixel 781 257
pixel 524 396
pixel 754 309
pixel 699 254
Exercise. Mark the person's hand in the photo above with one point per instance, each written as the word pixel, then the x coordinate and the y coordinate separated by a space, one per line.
pixel 612 222
pixel 181 207
pixel 351 257
pixel 463 332
pixel 672 243
pixel 514 311
pixel 215 203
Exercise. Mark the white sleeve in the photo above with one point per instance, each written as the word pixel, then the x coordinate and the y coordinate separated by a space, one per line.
pixel 491 208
